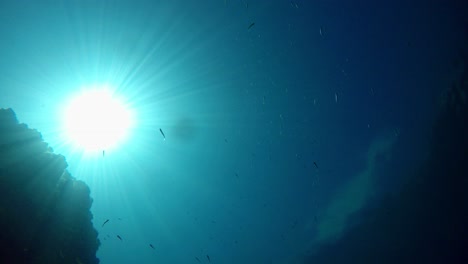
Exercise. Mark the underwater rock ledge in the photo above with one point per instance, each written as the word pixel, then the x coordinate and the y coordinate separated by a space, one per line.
pixel 45 213
pixel 425 222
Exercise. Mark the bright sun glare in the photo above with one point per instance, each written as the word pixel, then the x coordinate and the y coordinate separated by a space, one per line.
pixel 97 120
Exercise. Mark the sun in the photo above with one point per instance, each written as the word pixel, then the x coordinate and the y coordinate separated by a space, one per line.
pixel 97 119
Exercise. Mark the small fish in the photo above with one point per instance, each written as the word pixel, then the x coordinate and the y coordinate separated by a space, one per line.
pixel 105 222
pixel 103 153
pixel 162 133
pixel 315 163
pixel 151 245
pixel 198 259
pixel 251 25
pixel 208 257
pixel 119 237
pixel 336 98
pixel 321 31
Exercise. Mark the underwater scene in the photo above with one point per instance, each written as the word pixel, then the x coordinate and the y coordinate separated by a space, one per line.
pixel 233 131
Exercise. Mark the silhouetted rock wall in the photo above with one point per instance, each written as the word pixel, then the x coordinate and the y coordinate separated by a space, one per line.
pixel 44 212
pixel 427 221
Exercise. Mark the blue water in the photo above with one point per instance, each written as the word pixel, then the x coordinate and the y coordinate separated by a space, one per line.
pixel 353 86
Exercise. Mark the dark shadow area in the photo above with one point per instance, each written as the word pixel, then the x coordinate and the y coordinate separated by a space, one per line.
pixel 426 221
pixel 44 212
pixel 184 129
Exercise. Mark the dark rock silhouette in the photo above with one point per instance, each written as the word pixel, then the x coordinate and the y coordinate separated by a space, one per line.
pixel 426 222
pixel 44 212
